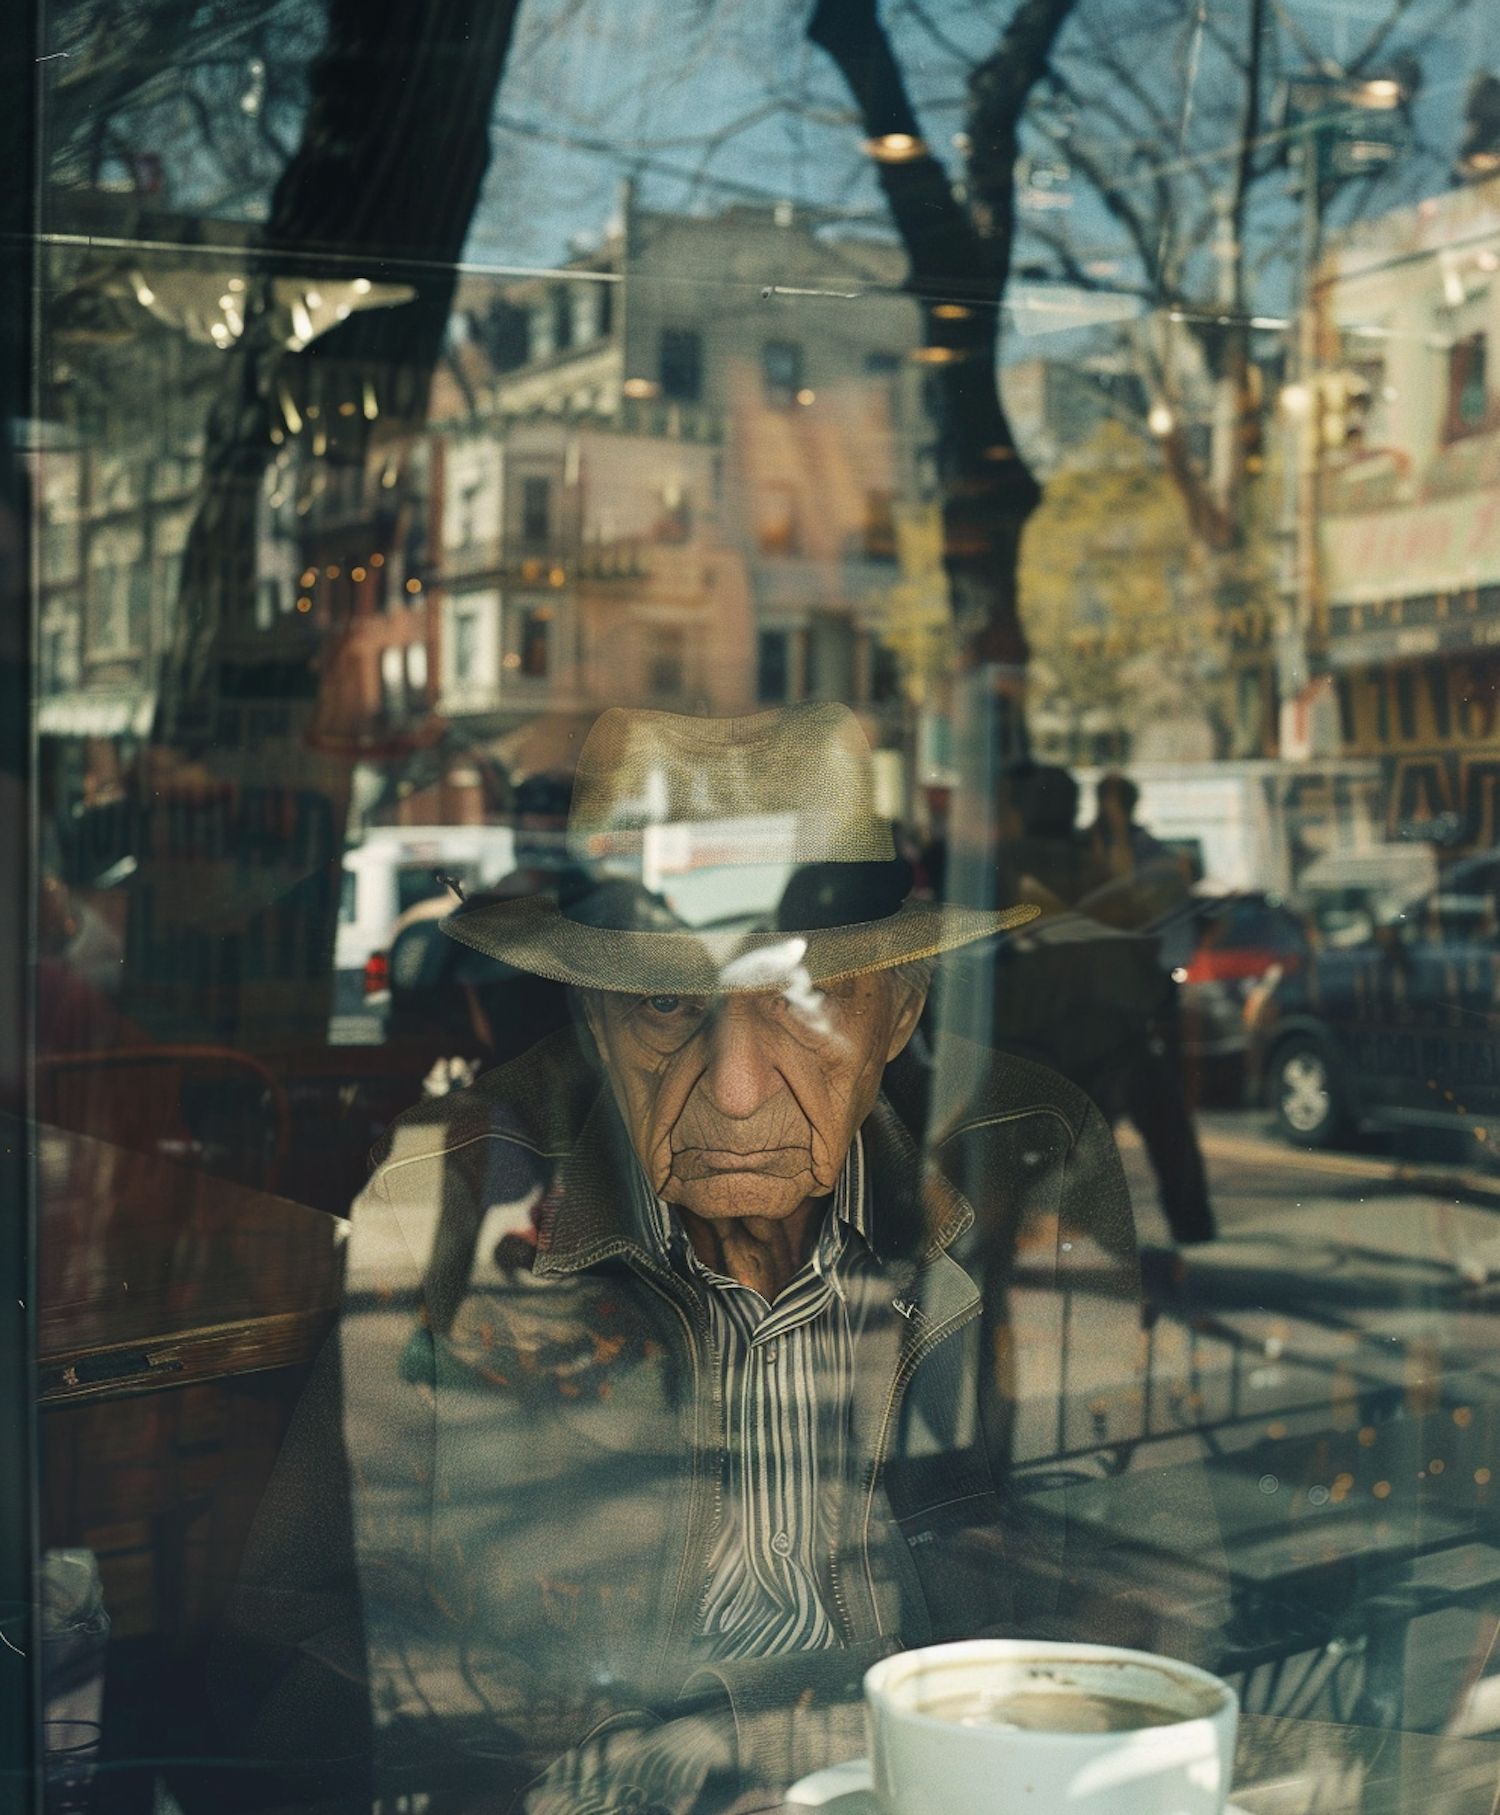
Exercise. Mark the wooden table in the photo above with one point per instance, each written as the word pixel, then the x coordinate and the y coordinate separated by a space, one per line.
pixel 154 1274
pixel 178 1315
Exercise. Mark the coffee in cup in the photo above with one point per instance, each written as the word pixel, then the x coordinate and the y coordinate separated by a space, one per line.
pixel 1002 1726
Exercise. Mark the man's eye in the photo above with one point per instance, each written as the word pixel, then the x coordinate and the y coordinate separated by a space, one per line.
pixel 664 1005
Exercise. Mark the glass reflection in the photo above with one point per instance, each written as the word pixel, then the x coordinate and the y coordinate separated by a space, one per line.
pixel 1087 453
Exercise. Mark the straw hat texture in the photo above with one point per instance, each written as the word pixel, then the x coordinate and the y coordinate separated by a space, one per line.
pixel 783 801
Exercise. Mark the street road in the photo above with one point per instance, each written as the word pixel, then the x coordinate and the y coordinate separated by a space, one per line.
pixel 1340 1344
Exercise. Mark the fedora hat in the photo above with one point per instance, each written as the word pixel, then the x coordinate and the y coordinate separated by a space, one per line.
pixel 724 855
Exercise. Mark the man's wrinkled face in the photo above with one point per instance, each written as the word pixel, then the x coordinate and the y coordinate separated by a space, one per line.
pixel 746 1105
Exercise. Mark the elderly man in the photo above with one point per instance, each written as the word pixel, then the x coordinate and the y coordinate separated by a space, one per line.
pixel 631 1496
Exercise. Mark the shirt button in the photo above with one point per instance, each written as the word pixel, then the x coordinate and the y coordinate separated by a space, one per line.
pixel 772 1352
pixel 782 1544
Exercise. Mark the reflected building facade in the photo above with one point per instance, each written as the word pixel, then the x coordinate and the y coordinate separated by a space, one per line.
pixel 1399 536
pixel 660 490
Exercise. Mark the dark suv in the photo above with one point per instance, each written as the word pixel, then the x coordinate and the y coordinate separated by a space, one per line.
pixel 1391 1020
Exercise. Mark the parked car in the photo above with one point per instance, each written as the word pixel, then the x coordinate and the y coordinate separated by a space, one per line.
pixel 1240 938
pixel 1392 1019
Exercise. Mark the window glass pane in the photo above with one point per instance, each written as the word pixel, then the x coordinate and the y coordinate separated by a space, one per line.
pixel 751 910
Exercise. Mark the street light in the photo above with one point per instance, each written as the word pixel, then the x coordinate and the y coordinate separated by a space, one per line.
pixel 1341 126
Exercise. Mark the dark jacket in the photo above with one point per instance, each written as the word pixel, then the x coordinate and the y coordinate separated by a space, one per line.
pixel 489 1530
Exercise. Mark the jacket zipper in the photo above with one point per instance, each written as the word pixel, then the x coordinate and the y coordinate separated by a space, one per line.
pixel 923 1347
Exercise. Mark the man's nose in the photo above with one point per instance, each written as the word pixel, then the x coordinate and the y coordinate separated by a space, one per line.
pixel 740 1075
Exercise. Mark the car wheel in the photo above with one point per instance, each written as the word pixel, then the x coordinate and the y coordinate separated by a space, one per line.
pixel 1305 1094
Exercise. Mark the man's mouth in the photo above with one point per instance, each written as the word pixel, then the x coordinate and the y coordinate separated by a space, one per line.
pixel 710 1162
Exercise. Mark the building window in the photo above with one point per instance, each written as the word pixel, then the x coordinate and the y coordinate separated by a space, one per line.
pixel 465 648
pixel 109 618
pixel 468 509
pixel 536 640
pixel 782 364
pixel 666 667
pixel 680 364
pixel 882 365
pixel 562 320
pixel 880 527
pixel 776 521
pixel 1467 387
pixel 393 681
pixel 885 673
pixel 138 607
pixel 506 335
pixel 1382 709
pixel 1250 711
pixel 1406 703
pixel 536 509
pixel 830 658
pixel 1344 692
pixel 773 667
pixel 1438 697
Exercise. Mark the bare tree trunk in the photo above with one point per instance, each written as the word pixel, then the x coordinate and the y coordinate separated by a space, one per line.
pixel 383 186
pixel 959 262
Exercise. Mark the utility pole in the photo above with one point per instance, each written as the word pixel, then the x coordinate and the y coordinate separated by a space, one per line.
pixel 1337 127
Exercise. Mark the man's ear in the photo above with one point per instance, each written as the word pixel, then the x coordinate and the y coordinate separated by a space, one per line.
pixel 907 1014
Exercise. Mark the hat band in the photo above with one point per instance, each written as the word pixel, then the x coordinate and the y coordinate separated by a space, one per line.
pixel 816 896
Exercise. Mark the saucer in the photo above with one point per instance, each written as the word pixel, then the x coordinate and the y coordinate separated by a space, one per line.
pixel 845 1790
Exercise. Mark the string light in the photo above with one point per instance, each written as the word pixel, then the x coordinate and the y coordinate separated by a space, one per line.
pixel 896 148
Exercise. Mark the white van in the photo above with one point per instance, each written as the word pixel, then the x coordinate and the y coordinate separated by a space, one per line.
pixel 391 869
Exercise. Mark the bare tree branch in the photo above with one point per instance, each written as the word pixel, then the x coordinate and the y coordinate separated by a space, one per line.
pixel 1378 38
pixel 959 259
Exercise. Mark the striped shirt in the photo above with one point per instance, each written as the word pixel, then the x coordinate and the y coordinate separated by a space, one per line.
pixel 786 1375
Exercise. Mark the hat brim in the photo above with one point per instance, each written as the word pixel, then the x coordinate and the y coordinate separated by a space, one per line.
pixel 534 935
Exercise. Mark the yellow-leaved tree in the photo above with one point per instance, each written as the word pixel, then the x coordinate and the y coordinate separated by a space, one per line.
pixel 1127 659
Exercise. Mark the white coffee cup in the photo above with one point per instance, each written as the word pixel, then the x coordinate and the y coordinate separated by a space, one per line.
pixel 926 1763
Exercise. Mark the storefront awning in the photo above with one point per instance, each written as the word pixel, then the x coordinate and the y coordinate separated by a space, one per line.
pixel 104 714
